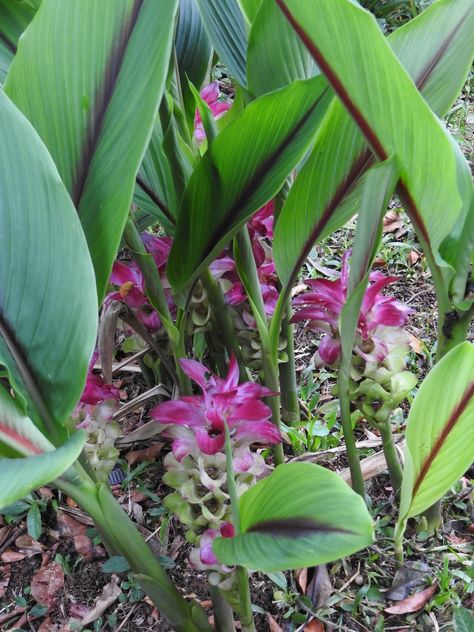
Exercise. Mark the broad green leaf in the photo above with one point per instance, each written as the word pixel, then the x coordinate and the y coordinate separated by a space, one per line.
pixel 48 304
pixel 301 515
pixel 90 78
pixel 436 48
pixel 17 431
pixel 440 432
pixel 14 18
pixel 155 192
pixel 378 188
pixel 275 55
pixel 227 31
pixel 21 476
pixel 244 167
pixel 463 620
pixel 250 8
pixel 193 52
pixel 193 48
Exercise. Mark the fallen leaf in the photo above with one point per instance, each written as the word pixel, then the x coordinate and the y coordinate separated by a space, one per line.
pixel 71 503
pixel 5 573
pixel 391 227
pixel 414 602
pixel 147 454
pixel 84 547
pixel 319 588
pixel 47 584
pixel 314 626
pixel 9 556
pixel 302 579
pixel 138 497
pixel 26 544
pixel 108 596
pixel 69 527
pixel 413 257
pixel 410 575
pixel 273 625
pixel 416 344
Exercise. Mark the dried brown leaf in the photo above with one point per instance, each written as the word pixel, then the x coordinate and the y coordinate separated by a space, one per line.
pixel 147 454
pixel 5 573
pixel 84 547
pixel 414 602
pixel 273 625
pixel 69 527
pixel 9 556
pixel 47 584
pixel 314 626
pixel 108 596
pixel 302 579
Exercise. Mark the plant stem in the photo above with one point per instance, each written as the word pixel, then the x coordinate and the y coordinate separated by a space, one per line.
pixel 123 536
pixel 289 394
pixel 352 455
pixel 223 613
pixel 246 614
pixel 270 369
pixel 391 456
pixel 223 320
pixel 157 298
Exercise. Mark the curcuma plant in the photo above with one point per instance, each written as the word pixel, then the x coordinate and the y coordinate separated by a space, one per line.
pixel 114 138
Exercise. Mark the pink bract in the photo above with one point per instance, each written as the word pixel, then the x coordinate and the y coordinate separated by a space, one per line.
pixel 322 305
pixel 239 405
pixel 210 94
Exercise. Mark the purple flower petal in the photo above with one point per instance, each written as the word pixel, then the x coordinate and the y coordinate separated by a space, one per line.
pixel 178 412
pixel 329 349
pixel 210 441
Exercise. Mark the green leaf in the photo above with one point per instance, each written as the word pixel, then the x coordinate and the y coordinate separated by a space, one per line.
pixel 463 620
pixel 244 168
pixel 95 115
pixel 17 431
pixel 33 521
pixel 275 55
pixel 440 432
pixel 193 52
pixel 193 48
pixel 301 515
pixel 226 28
pixel 250 8
pixel 21 476
pixel 116 564
pixel 377 190
pixel 14 18
pixel 436 48
pixel 48 304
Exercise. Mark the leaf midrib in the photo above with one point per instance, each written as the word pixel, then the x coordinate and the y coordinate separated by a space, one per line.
pixel 103 99
pixel 449 426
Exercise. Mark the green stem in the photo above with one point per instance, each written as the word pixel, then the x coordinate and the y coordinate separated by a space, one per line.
pixel 270 370
pixel 349 438
pixel 289 391
pixel 123 536
pixel 223 319
pixel 156 296
pixel 223 613
pixel 246 614
pixel 391 456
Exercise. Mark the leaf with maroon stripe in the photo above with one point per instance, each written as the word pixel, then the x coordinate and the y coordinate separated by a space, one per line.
pixel 440 432
pixel 17 432
pixel 48 302
pixel 245 166
pixel 301 515
pixel 436 49
pixel 90 78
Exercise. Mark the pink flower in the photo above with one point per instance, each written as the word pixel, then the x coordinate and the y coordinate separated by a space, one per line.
pixel 239 405
pixel 261 224
pixel 96 390
pixel 129 279
pixel 204 557
pixel 210 94
pixel 322 306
